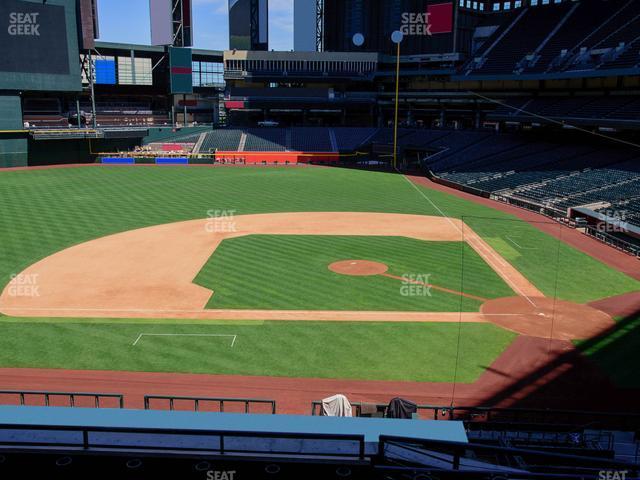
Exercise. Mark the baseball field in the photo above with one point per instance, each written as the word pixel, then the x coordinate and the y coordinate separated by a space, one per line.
pixel 301 273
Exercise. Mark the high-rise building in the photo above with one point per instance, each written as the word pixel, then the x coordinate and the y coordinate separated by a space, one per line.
pixel 171 22
pixel 304 25
pixel 249 24
pixel 87 14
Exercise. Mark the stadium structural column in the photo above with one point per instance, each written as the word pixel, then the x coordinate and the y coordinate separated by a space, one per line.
pixel 184 104
pixel 78 112
pixel 93 93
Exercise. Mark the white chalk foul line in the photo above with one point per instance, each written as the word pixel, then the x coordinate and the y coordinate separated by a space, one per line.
pixel 233 337
pixel 479 244
pixel 518 245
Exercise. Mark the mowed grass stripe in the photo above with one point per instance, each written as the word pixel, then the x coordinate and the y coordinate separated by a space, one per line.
pixel 291 272
pixel 408 352
pixel 44 211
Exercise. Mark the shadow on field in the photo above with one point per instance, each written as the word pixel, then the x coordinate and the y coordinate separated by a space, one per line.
pixel 601 374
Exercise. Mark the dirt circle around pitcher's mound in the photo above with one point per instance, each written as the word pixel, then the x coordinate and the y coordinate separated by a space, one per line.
pixel 546 318
pixel 358 268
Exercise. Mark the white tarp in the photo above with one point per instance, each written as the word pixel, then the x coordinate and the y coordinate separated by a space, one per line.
pixel 336 406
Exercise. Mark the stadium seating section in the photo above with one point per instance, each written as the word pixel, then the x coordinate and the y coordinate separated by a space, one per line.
pixel 296 139
pixel 550 172
pixel 553 174
pixel 572 36
pixel 621 109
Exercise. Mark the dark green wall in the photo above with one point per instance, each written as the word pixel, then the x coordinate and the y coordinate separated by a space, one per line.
pixel 13 145
pixel 57 152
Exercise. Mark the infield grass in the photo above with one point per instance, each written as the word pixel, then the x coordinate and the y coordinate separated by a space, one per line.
pixel 290 272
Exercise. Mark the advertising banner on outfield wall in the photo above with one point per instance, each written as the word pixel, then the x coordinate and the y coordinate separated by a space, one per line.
pixel 33 38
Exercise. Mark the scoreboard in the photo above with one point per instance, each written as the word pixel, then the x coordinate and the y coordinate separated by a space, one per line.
pixel 39 45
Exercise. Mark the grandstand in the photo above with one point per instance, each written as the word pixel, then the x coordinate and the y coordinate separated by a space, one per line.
pixel 554 175
pixel 572 36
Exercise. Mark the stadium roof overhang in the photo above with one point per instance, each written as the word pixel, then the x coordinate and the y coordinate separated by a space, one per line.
pixel 125 48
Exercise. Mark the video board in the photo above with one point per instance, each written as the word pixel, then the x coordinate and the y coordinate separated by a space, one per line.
pixel 39 45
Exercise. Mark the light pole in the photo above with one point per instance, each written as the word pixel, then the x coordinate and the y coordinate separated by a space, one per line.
pixel 396 37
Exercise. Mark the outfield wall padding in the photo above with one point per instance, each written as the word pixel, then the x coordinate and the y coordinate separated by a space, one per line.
pixel 172 161
pixel 118 160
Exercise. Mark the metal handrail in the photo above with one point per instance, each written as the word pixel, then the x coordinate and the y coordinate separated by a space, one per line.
pixel 221 402
pixel 87 445
pixel 459 451
pixel 22 394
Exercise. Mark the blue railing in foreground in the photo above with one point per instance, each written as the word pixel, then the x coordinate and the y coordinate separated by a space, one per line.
pixel 180 441
pixel 23 396
pixel 451 456
pixel 198 401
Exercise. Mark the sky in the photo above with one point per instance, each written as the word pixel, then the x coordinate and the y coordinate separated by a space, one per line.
pixel 127 21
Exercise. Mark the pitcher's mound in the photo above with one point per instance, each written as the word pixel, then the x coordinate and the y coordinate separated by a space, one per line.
pixel 358 268
pixel 542 317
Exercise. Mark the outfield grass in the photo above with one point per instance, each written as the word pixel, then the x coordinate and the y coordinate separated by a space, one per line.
pixel 285 272
pixel 44 211
pixel 364 351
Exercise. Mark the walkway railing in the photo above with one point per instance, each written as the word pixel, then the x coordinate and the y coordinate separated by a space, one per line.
pixel 196 402
pixel 69 398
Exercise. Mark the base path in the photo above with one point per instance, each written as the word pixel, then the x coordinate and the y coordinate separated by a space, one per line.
pixel 148 273
pixel 547 318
